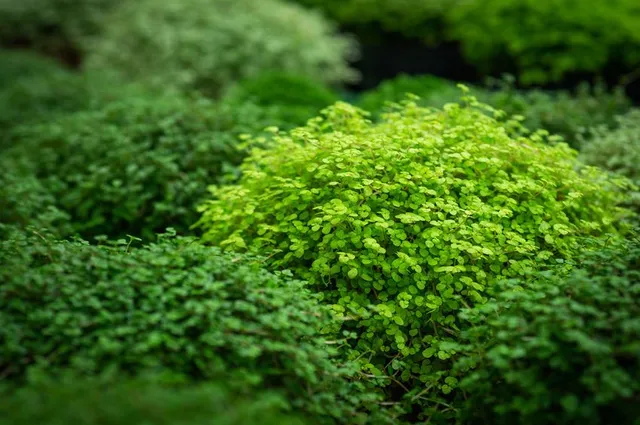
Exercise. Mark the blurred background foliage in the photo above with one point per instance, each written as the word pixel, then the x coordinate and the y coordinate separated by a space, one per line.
pixel 185 43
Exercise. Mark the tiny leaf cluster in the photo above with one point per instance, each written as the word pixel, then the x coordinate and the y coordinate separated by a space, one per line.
pixel 553 348
pixel 136 166
pixel 401 223
pixel 173 307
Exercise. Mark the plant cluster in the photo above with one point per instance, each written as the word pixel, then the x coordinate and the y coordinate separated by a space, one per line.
pixel 135 167
pixel 571 115
pixel 547 40
pixel 207 45
pixel 173 307
pixel 293 99
pixel 402 223
pixel 540 41
pixel 553 348
pixel 56 27
pixel 423 19
pixel 23 63
pixel 35 88
pixel 420 256
pixel 145 400
pixel 25 201
pixel 618 151
pixel 432 91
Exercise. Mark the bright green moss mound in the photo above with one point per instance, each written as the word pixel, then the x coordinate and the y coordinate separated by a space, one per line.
pixel 415 216
pixel 547 40
pixel 135 167
pixel 293 98
pixel 618 151
pixel 118 401
pixel 207 45
pixel 174 306
pixel 558 349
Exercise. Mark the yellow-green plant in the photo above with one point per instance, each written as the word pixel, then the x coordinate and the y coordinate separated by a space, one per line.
pixel 403 222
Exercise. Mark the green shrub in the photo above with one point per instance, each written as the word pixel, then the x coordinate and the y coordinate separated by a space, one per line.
pixel 15 64
pixel 137 402
pixel 174 306
pixel 415 216
pixel 293 98
pixel 570 115
pixel 433 91
pixel 422 18
pixel 557 349
pixel 136 166
pixel 34 89
pixel 209 44
pixel 25 201
pixel 547 40
pixel 618 151
pixel 53 26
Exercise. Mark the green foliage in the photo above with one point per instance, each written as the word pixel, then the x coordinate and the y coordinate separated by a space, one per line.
pixel 433 91
pixel 25 201
pixel 294 98
pixel 208 44
pixel 136 402
pixel 403 222
pixel 570 115
pixel 52 26
pixel 34 89
pixel 618 151
pixel 15 64
pixel 173 306
pixel 134 167
pixel 547 40
pixel 557 349
pixel 421 18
